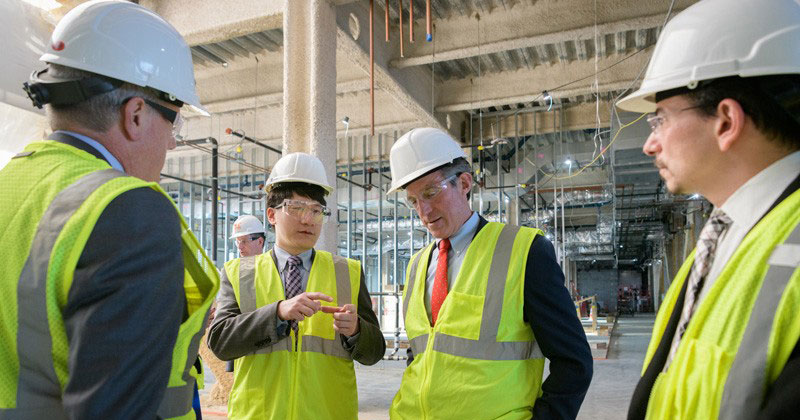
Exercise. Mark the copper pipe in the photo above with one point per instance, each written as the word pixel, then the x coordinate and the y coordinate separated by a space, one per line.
pixel 372 68
pixel 400 13
pixel 386 19
pixel 429 36
pixel 411 21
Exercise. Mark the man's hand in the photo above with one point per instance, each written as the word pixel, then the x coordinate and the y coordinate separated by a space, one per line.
pixel 301 306
pixel 345 319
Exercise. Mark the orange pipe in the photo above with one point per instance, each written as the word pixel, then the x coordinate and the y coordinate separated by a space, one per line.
pixel 429 36
pixel 372 68
pixel 400 13
pixel 411 21
pixel 386 19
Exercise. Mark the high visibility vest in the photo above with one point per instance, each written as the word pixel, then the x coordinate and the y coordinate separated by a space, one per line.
pixel 309 375
pixel 480 360
pixel 743 331
pixel 52 196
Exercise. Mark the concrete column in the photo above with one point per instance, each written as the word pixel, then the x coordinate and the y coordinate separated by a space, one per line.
pixel 309 92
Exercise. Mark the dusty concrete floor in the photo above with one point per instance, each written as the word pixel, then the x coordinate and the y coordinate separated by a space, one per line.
pixel 607 399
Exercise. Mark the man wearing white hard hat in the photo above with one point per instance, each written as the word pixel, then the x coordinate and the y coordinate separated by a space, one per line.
pixel 249 234
pixel 723 87
pixel 106 290
pixel 295 318
pixel 484 304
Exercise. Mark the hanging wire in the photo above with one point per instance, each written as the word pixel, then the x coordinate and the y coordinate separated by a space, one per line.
pixel 602 152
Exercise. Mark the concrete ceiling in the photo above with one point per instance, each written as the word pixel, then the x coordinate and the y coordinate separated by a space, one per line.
pixel 483 77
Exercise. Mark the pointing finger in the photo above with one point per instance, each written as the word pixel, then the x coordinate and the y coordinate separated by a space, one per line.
pixel 319 296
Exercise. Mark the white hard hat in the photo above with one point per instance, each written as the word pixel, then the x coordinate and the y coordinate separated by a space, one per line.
pixel 419 151
pixel 299 167
pixel 719 38
pixel 127 42
pixel 246 225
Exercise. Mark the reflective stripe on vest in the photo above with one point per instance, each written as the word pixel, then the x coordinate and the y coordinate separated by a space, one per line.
pixel 38 389
pixel 486 347
pixel 79 189
pixel 741 334
pixel 747 378
pixel 247 303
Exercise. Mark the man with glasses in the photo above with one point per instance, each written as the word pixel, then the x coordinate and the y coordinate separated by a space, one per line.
pixel 484 304
pixel 295 318
pixel 106 290
pixel 723 85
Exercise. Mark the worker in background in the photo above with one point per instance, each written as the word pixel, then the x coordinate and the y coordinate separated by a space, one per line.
pixel 105 289
pixel 250 236
pixel 484 304
pixel 295 318
pixel 723 86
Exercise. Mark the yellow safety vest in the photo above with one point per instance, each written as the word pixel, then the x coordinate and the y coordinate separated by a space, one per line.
pixel 481 360
pixel 53 195
pixel 741 334
pixel 308 376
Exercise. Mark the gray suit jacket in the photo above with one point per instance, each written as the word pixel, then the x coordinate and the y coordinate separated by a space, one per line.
pixel 234 334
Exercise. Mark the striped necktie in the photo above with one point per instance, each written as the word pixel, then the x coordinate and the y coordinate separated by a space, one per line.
pixel 294 283
pixel 703 259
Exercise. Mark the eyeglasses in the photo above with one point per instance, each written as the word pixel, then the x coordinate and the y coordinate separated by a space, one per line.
pixel 655 121
pixel 174 117
pixel 429 193
pixel 304 210
pixel 247 238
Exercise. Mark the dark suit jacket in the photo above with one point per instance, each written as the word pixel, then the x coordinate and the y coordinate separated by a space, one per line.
pixel 548 308
pixel 234 334
pixel 783 398
pixel 125 306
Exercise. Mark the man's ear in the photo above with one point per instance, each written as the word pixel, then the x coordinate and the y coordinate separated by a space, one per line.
pixel 133 119
pixel 465 181
pixel 271 216
pixel 730 123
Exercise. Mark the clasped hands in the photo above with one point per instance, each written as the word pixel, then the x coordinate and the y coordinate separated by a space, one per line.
pixel 306 304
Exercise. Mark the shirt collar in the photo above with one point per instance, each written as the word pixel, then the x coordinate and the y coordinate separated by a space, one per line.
pixel 99 147
pixel 748 203
pixel 462 238
pixel 283 256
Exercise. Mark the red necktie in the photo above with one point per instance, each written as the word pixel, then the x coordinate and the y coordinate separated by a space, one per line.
pixel 440 280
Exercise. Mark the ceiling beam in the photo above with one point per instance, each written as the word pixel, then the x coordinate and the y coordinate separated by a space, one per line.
pixel 465 36
pixel 410 87
pixel 526 85
pixel 203 22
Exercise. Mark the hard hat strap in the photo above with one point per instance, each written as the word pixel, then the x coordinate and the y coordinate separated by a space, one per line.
pixel 66 92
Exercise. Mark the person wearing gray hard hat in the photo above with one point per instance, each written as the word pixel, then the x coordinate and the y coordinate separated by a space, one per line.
pixel 484 303
pixel 723 90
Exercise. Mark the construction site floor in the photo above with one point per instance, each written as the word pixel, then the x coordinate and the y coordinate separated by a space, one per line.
pixel 609 394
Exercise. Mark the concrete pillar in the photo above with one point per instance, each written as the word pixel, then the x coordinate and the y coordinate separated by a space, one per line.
pixel 309 92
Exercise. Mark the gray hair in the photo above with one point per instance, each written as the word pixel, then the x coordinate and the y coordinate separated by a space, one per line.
pixel 97 113
pixel 456 167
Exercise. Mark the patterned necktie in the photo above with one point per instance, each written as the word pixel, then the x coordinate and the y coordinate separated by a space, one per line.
pixel 440 280
pixel 294 283
pixel 703 259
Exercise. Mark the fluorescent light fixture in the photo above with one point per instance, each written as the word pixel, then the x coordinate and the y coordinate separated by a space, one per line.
pixel 46 5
